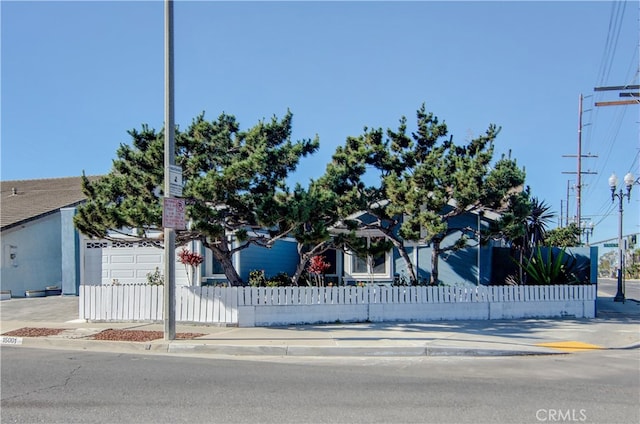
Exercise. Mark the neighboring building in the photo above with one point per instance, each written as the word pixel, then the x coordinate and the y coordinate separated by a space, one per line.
pixel 38 239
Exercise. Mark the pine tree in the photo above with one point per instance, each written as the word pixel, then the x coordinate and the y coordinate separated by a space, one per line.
pixel 425 180
pixel 232 182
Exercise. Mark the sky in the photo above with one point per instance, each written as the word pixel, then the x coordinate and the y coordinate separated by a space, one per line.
pixel 77 75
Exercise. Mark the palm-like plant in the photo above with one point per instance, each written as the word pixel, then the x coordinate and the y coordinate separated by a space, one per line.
pixel 558 268
pixel 536 224
pixel 524 226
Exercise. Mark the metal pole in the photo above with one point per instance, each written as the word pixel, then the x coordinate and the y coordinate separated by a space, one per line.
pixel 169 159
pixel 620 292
pixel 479 244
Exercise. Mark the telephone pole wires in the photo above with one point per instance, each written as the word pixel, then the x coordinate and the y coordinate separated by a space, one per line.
pixel 579 171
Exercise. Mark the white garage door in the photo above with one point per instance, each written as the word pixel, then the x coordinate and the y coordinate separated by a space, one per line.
pixel 124 262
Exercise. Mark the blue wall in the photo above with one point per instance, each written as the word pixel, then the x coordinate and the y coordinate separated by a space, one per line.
pixel 281 257
pixel 70 254
pixel 454 267
pixel 38 255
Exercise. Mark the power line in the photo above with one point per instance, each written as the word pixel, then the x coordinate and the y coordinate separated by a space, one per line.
pixel 613 34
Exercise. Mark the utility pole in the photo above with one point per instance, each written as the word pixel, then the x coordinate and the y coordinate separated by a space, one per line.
pixel 566 220
pixel 169 161
pixel 579 171
pixel 623 92
pixel 561 213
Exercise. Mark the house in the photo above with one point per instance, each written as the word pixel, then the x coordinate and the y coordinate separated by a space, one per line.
pixel 471 265
pixel 130 261
pixel 38 239
pixel 475 264
pixel 41 247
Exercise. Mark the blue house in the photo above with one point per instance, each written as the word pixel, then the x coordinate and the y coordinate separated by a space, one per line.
pixel 471 265
pixel 41 247
pixel 39 242
pixel 476 264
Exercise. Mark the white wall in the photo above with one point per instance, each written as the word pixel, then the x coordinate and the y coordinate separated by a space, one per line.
pixel 266 306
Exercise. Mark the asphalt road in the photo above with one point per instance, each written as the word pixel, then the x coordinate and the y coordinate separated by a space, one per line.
pixel 608 287
pixel 59 386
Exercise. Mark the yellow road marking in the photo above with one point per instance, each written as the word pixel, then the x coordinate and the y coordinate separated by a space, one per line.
pixel 570 346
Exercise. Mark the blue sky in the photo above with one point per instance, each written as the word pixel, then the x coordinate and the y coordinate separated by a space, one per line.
pixel 77 75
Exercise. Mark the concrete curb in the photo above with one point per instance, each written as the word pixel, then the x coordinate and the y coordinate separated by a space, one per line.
pixel 179 348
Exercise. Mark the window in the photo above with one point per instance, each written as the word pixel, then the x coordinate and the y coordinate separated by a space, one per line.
pixel 359 265
pixel 212 267
pixel 378 266
pixel 216 266
pixel 330 257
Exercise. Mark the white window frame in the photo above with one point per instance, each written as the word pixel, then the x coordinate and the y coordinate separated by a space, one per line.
pixel 368 276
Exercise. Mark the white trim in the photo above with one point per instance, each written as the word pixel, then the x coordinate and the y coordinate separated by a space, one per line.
pixel 367 276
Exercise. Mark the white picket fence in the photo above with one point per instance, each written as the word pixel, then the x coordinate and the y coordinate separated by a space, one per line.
pixel 267 306
pixel 143 302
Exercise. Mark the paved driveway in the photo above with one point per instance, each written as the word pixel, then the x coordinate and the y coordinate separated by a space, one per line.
pixel 46 309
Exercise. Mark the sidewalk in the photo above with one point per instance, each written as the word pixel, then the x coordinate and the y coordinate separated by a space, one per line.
pixel 616 327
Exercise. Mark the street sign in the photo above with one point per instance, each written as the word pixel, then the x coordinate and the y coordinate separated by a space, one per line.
pixel 175 180
pixel 173 215
pixel 611 245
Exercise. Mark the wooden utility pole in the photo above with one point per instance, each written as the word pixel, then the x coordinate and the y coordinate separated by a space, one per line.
pixel 579 171
pixel 623 92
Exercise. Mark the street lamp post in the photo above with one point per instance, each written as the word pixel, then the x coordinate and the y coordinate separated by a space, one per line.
pixel 613 184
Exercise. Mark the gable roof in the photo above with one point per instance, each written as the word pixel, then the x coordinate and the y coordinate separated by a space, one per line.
pixel 22 201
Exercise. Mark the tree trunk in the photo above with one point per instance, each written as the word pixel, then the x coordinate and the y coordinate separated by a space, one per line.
pixel 304 260
pixel 230 271
pixel 435 254
pixel 223 255
pixel 302 263
pixel 405 256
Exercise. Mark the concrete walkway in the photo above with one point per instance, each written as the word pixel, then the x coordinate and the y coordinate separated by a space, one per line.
pixel 617 326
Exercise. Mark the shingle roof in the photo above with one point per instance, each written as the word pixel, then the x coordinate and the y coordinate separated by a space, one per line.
pixel 25 200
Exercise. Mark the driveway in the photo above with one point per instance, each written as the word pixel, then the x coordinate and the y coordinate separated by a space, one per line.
pixel 45 309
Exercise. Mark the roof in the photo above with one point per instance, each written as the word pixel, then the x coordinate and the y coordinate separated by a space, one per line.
pixel 22 201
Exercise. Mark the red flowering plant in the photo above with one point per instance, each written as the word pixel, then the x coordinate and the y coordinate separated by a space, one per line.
pixel 317 268
pixel 190 260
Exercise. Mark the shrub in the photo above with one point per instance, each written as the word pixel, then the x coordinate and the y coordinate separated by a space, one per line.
pixel 317 268
pixel 155 278
pixel 279 280
pixel 560 268
pixel 257 278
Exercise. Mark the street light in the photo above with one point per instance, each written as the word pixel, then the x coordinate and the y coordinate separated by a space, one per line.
pixel 613 183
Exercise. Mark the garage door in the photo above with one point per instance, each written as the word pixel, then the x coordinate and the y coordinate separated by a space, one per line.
pixel 121 262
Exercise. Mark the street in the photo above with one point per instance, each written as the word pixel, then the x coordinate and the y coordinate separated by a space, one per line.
pixel 50 386
pixel 608 287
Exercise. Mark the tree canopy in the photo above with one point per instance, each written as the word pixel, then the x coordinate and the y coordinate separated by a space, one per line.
pixel 232 179
pixel 410 183
pixel 568 236
pixel 422 180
